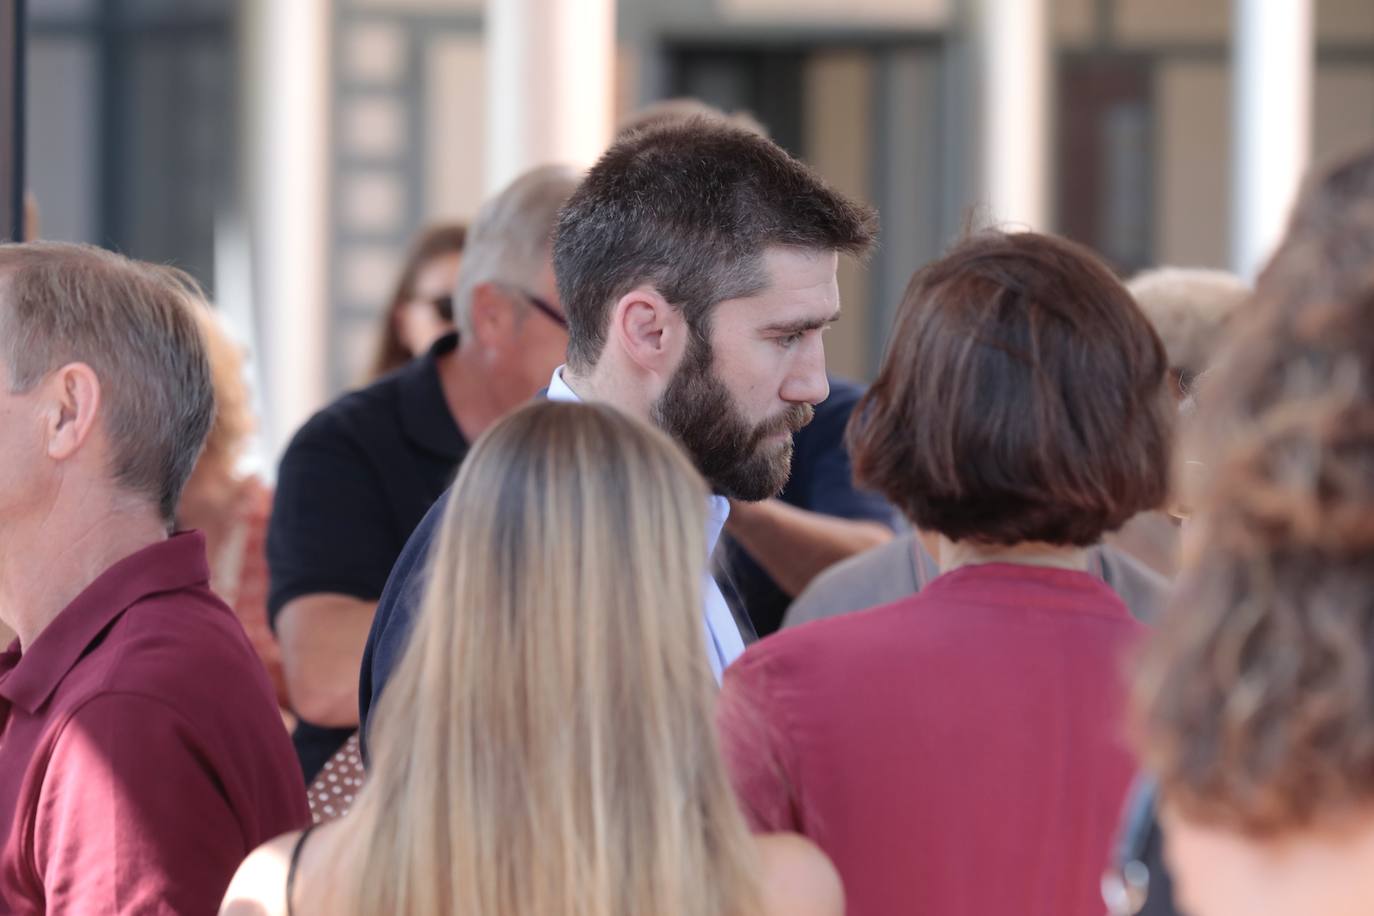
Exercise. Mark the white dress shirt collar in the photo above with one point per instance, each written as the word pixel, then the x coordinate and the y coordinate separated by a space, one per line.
pixel 723 641
pixel 559 390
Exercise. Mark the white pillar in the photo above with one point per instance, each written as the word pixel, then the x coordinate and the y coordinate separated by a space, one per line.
pixel 1271 137
pixel 287 146
pixel 1013 76
pixel 550 84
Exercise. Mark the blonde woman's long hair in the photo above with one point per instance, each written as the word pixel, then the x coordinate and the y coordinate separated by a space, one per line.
pixel 546 745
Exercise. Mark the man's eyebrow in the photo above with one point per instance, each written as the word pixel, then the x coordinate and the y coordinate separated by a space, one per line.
pixel 799 326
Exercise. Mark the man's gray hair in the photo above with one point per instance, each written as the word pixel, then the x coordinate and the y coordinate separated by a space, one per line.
pixel 1189 308
pixel 134 325
pixel 511 239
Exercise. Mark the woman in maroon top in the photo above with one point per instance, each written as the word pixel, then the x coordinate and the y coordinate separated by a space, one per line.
pixel 961 751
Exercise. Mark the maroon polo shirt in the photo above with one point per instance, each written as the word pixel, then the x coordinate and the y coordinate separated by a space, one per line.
pixel 959 752
pixel 142 756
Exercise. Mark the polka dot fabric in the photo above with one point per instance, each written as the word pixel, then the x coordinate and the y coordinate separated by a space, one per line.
pixel 334 789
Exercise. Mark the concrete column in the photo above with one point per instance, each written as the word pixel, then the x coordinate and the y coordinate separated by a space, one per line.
pixel 1013 77
pixel 1271 134
pixel 550 84
pixel 286 51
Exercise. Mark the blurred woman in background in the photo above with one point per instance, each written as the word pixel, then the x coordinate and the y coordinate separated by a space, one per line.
pixel 546 745
pixel 420 310
pixel 1190 309
pixel 232 508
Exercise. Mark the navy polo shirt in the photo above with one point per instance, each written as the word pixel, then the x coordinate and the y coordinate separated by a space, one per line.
pixel 354 482
pixel 822 481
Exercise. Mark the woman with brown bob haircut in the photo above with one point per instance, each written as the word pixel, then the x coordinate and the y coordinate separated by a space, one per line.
pixel 959 751
pixel 1256 698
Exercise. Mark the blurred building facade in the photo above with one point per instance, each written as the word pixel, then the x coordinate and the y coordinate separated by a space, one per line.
pixel 147 131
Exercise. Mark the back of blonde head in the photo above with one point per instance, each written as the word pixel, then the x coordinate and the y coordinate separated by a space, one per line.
pixel 546 745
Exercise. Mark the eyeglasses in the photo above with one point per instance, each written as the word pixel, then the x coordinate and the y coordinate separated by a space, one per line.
pixel 444 306
pixel 540 305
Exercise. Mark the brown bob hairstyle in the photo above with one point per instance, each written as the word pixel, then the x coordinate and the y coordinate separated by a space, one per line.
pixel 1255 698
pixel 1022 398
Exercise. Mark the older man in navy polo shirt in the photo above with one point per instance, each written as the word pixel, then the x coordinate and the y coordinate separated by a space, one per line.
pixel 141 752
pixel 697 267
pixel 361 474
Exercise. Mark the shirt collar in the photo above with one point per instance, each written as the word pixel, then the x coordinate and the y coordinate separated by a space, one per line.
pixel 28 680
pixel 717 507
pixel 425 417
pixel 559 390
pixel 717 512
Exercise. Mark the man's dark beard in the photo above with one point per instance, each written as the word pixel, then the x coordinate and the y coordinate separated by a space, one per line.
pixel 698 411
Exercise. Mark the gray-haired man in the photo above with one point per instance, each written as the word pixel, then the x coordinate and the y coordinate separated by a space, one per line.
pixel 359 476
pixel 141 752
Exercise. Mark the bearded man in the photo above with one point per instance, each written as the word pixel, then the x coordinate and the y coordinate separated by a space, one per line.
pixel 697 267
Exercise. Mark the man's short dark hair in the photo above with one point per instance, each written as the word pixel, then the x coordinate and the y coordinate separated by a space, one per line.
pixel 680 110
pixel 1022 398
pixel 689 207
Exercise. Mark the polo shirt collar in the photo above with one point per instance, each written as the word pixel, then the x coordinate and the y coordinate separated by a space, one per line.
pixel 176 563
pixel 425 417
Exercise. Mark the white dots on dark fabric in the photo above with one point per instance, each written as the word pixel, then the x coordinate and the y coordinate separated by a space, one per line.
pixel 332 793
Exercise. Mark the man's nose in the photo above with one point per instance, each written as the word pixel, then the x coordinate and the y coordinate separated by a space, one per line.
pixel 807 382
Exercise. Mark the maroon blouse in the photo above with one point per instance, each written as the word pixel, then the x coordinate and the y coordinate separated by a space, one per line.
pixel 959 752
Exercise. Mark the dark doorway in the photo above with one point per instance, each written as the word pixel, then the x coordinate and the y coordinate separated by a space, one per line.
pixel 1106 155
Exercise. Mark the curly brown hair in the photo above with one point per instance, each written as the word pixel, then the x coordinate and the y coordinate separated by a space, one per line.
pixel 1255 699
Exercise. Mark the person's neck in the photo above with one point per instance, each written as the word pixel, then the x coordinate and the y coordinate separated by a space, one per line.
pixel 44 569
pixel 603 385
pixel 954 554
pixel 476 395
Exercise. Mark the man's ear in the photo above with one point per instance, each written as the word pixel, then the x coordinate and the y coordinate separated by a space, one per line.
pixel 650 331
pixel 74 400
pixel 492 315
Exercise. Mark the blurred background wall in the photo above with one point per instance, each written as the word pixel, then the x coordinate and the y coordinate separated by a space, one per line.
pixel 284 151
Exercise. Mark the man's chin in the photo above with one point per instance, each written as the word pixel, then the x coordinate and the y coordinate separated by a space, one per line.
pixel 764 477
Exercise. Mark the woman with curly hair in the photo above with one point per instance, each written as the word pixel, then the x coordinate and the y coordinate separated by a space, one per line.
pixel 1256 698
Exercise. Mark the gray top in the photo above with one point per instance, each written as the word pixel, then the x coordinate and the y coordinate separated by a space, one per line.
pixel 902 567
